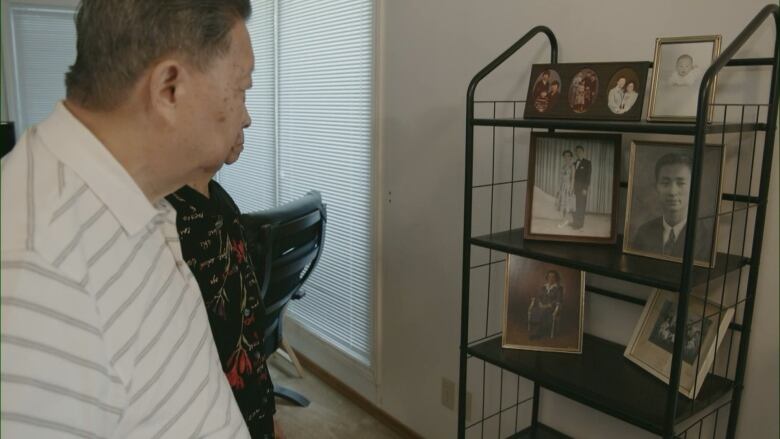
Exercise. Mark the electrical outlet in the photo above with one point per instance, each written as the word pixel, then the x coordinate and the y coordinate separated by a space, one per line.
pixel 448 393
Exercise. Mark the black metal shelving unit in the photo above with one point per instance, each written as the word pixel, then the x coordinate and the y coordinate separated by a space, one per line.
pixel 510 381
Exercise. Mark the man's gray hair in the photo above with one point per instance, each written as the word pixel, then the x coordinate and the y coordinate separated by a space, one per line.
pixel 119 39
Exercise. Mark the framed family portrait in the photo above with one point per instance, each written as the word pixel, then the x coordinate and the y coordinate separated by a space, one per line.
pixel 573 182
pixel 543 306
pixel 678 66
pixel 659 188
pixel 606 91
pixel 652 342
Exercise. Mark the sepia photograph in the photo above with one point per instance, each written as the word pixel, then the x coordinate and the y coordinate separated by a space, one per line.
pixel 574 187
pixel 583 90
pixel 652 342
pixel 543 306
pixel 593 91
pixel 547 90
pixel 659 187
pixel 678 66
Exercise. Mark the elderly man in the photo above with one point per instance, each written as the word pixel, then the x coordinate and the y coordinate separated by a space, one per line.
pixel 104 331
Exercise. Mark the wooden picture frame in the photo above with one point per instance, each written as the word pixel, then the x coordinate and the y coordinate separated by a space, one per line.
pixel 651 344
pixel 678 66
pixel 593 91
pixel 544 306
pixel 560 167
pixel 649 201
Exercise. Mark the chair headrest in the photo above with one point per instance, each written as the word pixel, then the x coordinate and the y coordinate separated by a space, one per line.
pixel 310 202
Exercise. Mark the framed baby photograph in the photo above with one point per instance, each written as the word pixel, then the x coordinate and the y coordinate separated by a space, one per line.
pixel 659 187
pixel 678 66
pixel 574 182
pixel 595 91
pixel 543 306
pixel 652 342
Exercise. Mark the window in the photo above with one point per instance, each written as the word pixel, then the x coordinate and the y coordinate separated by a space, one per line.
pixel 42 47
pixel 311 107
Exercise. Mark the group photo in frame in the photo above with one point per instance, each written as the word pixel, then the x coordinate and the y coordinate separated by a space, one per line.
pixel 678 66
pixel 659 186
pixel 595 91
pixel 573 181
pixel 543 306
pixel 652 342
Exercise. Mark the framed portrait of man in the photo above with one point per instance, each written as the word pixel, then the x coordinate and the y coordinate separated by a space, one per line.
pixel 573 181
pixel 678 66
pixel 659 189
pixel 543 306
pixel 652 342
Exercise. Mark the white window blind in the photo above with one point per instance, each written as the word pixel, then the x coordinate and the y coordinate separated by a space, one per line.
pixel 316 134
pixel 43 47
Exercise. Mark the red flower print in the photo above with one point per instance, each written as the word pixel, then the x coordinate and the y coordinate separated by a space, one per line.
pixel 239 250
pixel 234 379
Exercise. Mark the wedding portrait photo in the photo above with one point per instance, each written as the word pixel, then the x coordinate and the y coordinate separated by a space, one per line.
pixel 543 306
pixel 575 181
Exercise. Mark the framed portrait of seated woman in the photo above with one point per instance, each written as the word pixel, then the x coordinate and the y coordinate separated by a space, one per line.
pixel 543 306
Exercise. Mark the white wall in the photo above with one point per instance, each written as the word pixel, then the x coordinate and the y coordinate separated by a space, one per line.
pixel 430 51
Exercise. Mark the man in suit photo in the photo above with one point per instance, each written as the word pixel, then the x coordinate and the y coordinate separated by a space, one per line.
pixel 582 168
pixel 665 234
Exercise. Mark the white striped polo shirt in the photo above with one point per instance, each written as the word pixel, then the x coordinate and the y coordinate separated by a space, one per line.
pixel 104 331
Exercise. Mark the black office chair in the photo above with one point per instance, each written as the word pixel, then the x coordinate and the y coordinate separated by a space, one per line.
pixel 7 137
pixel 285 244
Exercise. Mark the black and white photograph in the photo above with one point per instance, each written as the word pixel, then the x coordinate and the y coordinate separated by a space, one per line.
pixel 547 90
pixel 659 190
pixel 652 342
pixel 574 181
pixel 543 306
pixel 679 64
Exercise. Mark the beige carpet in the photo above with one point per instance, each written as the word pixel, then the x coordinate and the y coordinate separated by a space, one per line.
pixel 330 415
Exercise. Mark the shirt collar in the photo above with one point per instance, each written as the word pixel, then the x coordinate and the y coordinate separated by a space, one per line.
pixel 72 142
pixel 677 229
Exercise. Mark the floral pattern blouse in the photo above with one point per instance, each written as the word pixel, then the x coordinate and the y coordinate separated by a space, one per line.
pixel 212 243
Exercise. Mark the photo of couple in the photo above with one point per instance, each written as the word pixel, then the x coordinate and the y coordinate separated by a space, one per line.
pixel 574 182
pixel 547 90
pixel 623 91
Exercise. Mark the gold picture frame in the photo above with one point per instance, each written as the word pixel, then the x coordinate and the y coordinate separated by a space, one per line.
pixel 646 232
pixel 678 84
pixel 651 343
pixel 542 311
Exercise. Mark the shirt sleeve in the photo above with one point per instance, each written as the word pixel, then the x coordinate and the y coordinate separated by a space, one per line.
pixel 56 377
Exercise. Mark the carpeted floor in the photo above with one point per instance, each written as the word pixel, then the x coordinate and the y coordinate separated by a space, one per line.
pixel 330 415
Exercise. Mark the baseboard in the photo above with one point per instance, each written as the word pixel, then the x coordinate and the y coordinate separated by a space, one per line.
pixel 356 398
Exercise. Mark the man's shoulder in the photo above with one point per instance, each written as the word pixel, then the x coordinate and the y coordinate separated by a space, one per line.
pixel 650 225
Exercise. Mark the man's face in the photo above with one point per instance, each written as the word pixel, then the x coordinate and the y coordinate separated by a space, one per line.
pixel 545 77
pixel 673 187
pixel 218 112
pixel 580 153
pixel 621 82
pixel 554 88
pixel 684 66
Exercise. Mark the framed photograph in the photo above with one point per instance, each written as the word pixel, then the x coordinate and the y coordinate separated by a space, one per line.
pixel 652 343
pixel 678 66
pixel 606 91
pixel 543 306
pixel 573 182
pixel 659 187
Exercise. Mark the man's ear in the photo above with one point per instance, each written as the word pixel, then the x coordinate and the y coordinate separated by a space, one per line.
pixel 167 85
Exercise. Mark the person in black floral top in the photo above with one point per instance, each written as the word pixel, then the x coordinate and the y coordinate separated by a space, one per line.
pixel 212 243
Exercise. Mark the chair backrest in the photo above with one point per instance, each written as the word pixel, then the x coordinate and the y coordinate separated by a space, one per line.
pixel 285 244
